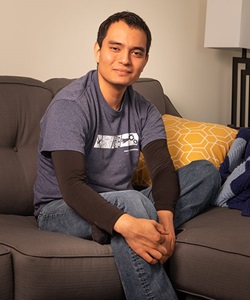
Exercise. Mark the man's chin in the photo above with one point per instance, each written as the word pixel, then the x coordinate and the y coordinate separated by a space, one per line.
pixel 124 82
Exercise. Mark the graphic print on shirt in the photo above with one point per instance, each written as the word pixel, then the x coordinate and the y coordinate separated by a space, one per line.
pixel 117 141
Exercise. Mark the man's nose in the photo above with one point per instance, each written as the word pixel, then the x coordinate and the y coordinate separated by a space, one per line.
pixel 125 57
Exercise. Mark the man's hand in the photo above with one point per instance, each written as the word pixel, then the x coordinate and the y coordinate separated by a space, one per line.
pixel 166 219
pixel 147 238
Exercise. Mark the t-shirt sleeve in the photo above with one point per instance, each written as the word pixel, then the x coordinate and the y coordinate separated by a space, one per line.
pixel 152 126
pixel 64 127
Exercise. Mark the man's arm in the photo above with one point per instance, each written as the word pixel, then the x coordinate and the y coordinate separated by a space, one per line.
pixel 165 188
pixel 71 176
pixel 145 237
pixel 165 185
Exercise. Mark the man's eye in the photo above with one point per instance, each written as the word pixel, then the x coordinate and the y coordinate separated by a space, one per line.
pixel 114 49
pixel 138 53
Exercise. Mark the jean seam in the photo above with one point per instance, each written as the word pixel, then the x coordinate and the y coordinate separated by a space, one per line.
pixel 45 216
pixel 141 275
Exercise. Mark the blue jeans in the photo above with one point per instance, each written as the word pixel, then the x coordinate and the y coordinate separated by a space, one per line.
pixel 199 183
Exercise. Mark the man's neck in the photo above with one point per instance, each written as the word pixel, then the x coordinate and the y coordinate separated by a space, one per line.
pixel 112 94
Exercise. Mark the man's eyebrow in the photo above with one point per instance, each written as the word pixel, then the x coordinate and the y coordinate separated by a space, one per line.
pixel 115 43
pixel 121 44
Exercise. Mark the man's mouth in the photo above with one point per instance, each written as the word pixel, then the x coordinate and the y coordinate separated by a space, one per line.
pixel 123 71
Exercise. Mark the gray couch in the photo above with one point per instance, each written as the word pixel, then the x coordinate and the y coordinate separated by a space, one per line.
pixel 211 260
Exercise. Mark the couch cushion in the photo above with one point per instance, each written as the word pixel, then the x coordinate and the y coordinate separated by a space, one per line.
pixel 56 84
pixel 152 90
pixel 6 275
pixel 23 102
pixel 212 256
pixel 58 266
pixel 191 140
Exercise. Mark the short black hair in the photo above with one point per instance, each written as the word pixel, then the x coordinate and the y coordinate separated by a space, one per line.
pixel 131 19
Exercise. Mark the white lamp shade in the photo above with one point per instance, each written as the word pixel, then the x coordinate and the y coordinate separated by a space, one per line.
pixel 227 24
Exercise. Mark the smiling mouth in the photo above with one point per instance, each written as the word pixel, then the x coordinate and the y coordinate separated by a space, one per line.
pixel 123 72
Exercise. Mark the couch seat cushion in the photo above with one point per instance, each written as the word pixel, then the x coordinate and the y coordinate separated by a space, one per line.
pixel 58 266
pixel 212 256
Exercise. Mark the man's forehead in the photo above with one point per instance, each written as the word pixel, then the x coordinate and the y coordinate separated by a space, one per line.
pixel 118 30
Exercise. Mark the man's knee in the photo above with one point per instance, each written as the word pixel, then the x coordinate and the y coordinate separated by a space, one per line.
pixel 208 171
pixel 133 202
pixel 199 173
pixel 209 177
pixel 141 206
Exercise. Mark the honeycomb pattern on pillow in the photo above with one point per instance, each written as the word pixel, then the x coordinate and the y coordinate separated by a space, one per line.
pixel 191 140
pixel 141 177
pixel 188 141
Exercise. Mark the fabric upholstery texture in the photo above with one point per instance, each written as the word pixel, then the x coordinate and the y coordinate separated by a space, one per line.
pixel 212 256
pixel 58 266
pixel 152 90
pixel 23 102
pixel 6 277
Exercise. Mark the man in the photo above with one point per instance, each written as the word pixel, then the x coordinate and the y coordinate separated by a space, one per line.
pixel 91 137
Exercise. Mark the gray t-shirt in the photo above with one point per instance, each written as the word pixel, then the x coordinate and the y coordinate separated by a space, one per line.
pixel 80 119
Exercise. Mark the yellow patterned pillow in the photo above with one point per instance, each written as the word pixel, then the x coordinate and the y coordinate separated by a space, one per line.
pixel 191 140
pixel 141 176
pixel 188 141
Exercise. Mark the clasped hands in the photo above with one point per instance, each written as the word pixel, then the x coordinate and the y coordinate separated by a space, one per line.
pixel 151 240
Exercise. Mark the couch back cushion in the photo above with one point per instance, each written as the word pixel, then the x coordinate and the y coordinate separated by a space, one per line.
pixel 23 102
pixel 152 90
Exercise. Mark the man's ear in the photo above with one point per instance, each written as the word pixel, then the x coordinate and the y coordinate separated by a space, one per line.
pixel 97 49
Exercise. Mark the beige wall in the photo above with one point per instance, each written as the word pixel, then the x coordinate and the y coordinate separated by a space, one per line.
pixel 54 38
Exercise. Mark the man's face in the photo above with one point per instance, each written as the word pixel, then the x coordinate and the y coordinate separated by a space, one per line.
pixel 122 57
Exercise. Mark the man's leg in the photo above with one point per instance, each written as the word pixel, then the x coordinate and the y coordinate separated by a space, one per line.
pixel 57 216
pixel 199 184
pixel 140 279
